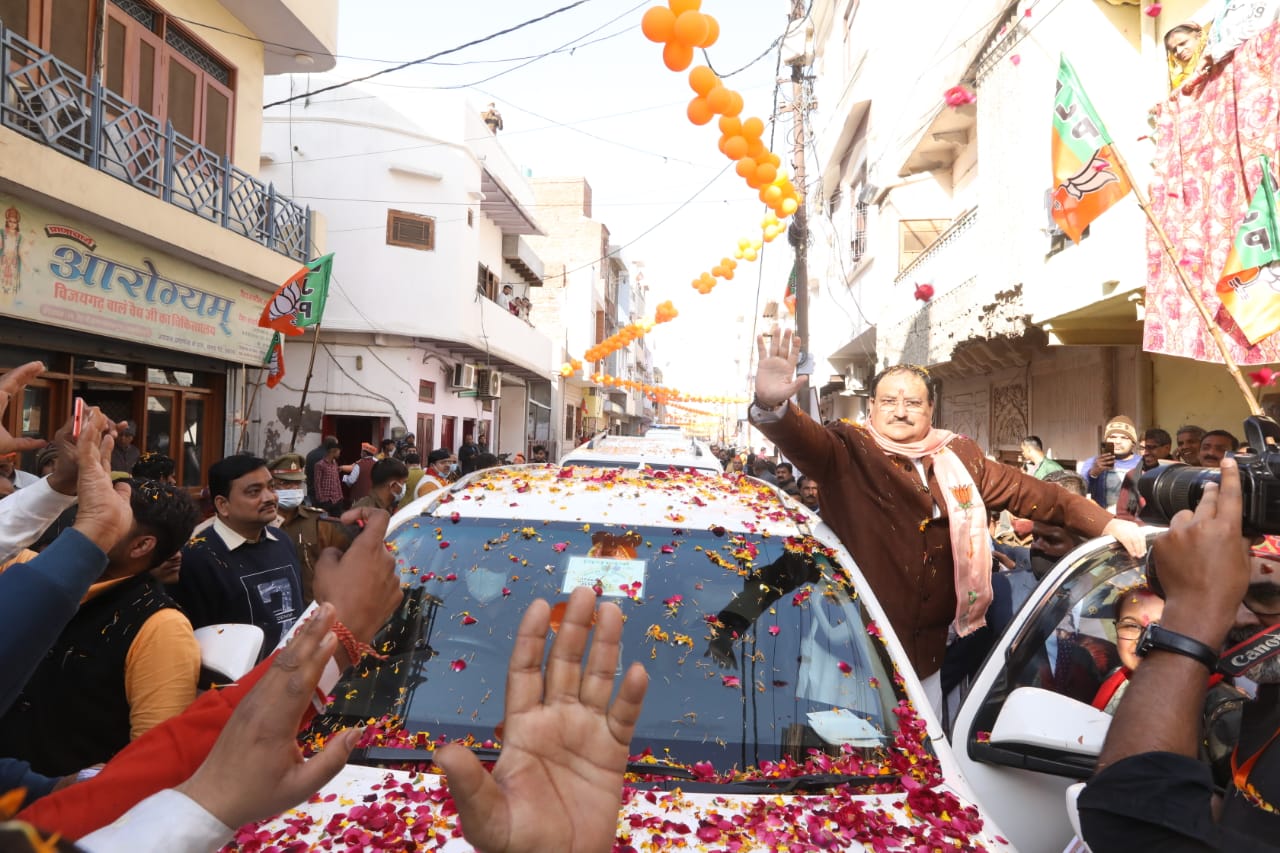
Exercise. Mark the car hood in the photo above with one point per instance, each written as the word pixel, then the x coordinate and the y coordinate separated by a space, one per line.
pixel 373 806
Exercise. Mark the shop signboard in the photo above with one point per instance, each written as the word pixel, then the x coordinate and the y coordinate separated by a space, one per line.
pixel 60 272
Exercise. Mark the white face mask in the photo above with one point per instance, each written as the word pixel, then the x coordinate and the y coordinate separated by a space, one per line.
pixel 397 492
pixel 453 468
pixel 290 498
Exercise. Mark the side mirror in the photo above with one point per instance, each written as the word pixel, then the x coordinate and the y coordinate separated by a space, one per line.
pixel 1046 720
pixel 227 652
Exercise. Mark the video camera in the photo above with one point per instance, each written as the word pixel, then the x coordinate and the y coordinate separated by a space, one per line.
pixel 1169 489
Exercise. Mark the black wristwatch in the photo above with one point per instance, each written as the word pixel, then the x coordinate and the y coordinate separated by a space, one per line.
pixel 1155 637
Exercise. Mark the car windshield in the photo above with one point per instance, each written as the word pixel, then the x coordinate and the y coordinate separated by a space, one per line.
pixel 757 647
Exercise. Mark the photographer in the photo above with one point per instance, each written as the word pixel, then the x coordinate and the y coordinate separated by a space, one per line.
pixel 1151 792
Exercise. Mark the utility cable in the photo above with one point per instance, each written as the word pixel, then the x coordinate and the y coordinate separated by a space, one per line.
pixel 437 55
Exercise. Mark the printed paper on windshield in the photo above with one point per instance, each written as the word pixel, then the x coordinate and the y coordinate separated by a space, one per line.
pixel 613 577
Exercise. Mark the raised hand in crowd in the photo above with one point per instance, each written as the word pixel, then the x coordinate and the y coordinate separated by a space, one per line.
pixel 104 516
pixel 65 477
pixel 557 784
pixel 12 385
pixel 362 584
pixel 255 769
pixel 776 379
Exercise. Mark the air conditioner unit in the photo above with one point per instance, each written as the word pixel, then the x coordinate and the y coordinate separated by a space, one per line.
pixel 488 383
pixel 464 377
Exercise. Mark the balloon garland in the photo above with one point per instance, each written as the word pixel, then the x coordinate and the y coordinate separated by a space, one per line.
pixel 681 27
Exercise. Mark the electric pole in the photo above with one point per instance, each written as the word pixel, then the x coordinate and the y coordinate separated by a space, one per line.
pixel 798 232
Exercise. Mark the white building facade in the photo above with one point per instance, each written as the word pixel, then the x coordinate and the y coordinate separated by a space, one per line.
pixel 1026 332
pixel 424 331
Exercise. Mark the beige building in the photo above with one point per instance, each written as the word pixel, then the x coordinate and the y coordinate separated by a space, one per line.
pixel 1026 331
pixel 139 246
pixel 589 293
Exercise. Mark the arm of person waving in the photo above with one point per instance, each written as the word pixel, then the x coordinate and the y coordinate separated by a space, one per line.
pixel 776 380
pixel 800 438
pixel 557 784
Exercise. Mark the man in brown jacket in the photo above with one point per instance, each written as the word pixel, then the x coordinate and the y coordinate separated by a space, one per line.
pixel 892 513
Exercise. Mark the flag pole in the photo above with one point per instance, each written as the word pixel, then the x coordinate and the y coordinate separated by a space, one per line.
pixel 306 386
pixel 1232 368
pixel 248 413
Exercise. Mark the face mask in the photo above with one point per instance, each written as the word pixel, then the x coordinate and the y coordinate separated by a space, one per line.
pixel 453 468
pixel 397 492
pixel 290 498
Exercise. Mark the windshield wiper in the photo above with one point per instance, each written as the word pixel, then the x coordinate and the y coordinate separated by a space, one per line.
pixel 489 753
pixel 670 771
pixel 810 782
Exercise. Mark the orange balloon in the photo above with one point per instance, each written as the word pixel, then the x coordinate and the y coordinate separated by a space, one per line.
pixel 735 147
pixel 765 173
pixel 699 112
pixel 679 7
pixel 658 24
pixel 756 150
pixel 753 181
pixel 746 166
pixel 677 56
pixel 753 128
pixel 775 160
pixel 691 28
pixel 713 32
pixel 735 105
pixel 723 143
pixel 771 195
pixel 702 80
pixel 730 126
pixel 719 99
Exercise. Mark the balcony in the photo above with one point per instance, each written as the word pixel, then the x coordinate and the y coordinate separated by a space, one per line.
pixel 51 103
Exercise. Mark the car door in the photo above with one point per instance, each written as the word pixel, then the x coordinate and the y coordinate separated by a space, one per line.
pixel 1027 730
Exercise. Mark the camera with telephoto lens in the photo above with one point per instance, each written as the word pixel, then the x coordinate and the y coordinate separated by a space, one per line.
pixel 1169 489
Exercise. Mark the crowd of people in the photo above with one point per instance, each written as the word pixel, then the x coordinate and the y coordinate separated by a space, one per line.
pixel 108 574
pixel 108 737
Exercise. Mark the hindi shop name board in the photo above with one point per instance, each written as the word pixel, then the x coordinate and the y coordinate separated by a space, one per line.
pixel 61 273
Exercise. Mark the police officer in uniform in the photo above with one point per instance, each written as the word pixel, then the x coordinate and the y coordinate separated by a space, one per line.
pixel 298 522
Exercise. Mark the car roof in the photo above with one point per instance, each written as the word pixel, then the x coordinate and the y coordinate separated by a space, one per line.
pixel 632 450
pixel 634 497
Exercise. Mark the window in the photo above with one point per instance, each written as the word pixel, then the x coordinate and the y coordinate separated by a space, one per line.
pixel 70 39
pixel 426 391
pixel 151 62
pixel 570 423
pixel 915 236
pixel 411 230
pixel 858 239
pixel 486 282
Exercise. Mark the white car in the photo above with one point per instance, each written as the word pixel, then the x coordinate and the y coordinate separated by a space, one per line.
pixel 633 451
pixel 781 712
pixel 1028 730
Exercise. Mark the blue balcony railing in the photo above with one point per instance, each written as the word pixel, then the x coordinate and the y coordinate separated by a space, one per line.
pixel 44 99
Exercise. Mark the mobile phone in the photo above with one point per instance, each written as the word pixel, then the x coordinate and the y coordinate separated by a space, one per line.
pixel 1109 448
pixel 77 417
pixel 334 533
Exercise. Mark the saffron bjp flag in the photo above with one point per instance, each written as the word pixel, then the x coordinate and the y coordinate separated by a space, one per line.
pixel 274 362
pixel 1250 283
pixel 1086 179
pixel 299 302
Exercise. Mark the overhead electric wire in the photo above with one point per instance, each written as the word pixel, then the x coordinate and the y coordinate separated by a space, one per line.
pixel 436 55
